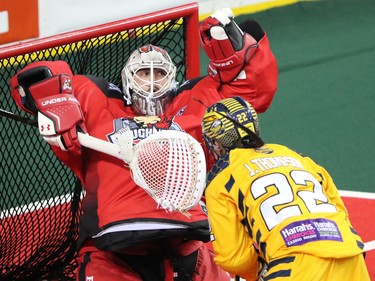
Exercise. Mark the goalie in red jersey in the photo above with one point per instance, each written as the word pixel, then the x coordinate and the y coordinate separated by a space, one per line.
pixel 123 233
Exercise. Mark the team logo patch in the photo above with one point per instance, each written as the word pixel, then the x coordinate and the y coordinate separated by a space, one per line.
pixel 302 232
pixel 66 84
pixel 143 126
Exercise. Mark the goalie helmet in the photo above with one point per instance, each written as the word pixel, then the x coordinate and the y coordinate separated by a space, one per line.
pixel 148 79
pixel 231 123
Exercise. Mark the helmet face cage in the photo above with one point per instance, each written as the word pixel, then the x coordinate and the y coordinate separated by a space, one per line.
pixel 148 95
pixel 221 124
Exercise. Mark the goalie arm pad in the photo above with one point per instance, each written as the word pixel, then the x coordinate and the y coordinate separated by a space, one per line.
pixel 226 45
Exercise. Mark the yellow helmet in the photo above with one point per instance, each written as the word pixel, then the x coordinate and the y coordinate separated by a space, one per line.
pixel 231 123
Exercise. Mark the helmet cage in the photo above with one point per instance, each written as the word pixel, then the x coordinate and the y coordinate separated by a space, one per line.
pixel 148 96
pixel 226 123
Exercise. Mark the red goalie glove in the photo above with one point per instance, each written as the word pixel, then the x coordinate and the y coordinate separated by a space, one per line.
pixel 226 45
pixel 45 88
pixel 59 115
pixel 31 74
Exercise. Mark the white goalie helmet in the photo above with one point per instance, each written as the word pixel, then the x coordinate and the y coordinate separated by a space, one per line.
pixel 148 79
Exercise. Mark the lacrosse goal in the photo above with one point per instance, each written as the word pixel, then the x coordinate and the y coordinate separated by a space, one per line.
pixel 40 197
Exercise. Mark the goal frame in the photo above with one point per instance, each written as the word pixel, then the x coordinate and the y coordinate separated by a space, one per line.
pixel 189 11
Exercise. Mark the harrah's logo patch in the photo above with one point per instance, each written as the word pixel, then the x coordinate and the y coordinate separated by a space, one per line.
pixel 302 232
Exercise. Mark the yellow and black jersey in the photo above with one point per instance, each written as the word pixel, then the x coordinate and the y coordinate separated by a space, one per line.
pixel 277 202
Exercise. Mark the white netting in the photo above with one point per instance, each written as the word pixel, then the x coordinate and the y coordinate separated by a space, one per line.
pixel 171 167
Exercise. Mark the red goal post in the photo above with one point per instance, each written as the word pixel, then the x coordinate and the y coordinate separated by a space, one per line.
pixel 40 197
pixel 188 13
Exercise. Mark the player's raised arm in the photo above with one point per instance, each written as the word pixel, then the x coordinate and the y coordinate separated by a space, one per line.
pixel 240 58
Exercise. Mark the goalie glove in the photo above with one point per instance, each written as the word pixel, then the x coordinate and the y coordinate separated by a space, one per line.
pixel 226 45
pixel 59 115
pixel 44 88
pixel 31 74
pixel 59 119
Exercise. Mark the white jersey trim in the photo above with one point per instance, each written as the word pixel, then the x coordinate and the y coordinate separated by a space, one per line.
pixel 139 226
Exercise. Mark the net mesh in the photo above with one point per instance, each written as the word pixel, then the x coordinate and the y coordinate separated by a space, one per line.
pixel 40 197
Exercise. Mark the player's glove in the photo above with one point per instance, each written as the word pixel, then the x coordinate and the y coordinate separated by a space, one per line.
pixel 226 45
pixel 33 73
pixel 59 115
pixel 44 88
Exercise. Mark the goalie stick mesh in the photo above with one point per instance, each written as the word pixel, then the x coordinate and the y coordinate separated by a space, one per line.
pixel 39 199
pixel 178 168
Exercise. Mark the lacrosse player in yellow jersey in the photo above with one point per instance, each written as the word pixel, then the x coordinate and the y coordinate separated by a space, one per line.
pixel 267 201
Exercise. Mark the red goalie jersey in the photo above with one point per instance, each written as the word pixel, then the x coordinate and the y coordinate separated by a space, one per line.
pixel 114 205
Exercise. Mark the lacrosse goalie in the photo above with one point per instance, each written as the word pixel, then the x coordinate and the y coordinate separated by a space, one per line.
pixel 126 234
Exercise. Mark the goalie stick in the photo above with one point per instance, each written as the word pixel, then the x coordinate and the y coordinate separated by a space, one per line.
pixel 11 115
pixel 176 159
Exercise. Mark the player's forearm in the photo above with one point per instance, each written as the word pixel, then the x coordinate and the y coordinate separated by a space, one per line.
pixel 245 265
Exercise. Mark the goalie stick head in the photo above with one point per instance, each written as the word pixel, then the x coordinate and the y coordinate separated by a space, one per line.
pixel 178 166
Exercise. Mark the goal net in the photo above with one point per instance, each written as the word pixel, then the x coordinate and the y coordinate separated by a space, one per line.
pixel 40 197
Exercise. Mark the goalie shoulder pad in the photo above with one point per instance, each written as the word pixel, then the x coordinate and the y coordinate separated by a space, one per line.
pixel 38 72
pixel 226 45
